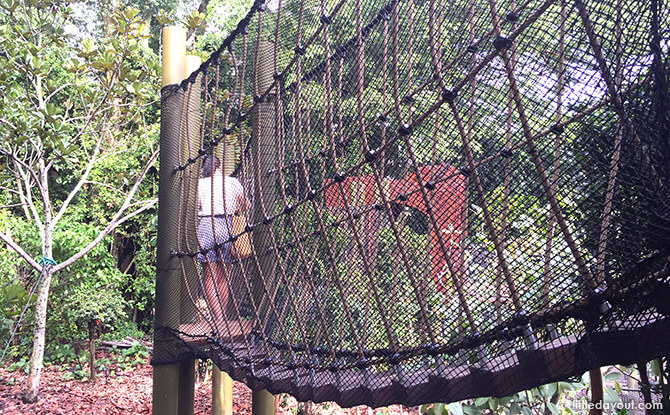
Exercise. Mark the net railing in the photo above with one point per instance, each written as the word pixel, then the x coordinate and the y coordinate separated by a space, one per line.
pixel 442 200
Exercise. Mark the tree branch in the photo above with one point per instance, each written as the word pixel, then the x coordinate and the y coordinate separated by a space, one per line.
pixel 22 197
pixel 57 90
pixel 11 205
pixel 148 205
pixel 18 162
pixel 9 189
pixel 8 123
pixel 26 194
pixel 13 245
pixel 110 227
pixel 118 217
pixel 105 185
pixel 79 184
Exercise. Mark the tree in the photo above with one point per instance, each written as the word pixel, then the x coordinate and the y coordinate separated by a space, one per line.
pixel 70 116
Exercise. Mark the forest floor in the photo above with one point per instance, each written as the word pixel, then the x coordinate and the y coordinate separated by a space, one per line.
pixel 129 392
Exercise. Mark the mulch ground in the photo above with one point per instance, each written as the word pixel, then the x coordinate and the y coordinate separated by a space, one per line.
pixel 129 392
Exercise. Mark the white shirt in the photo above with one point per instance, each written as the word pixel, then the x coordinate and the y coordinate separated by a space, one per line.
pixel 218 185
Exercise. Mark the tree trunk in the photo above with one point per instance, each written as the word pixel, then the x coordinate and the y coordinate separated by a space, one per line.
pixel 596 392
pixel 33 388
pixel 644 383
pixel 91 349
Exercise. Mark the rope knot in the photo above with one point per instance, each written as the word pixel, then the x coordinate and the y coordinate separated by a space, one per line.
pixel 502 43
pixel 47 261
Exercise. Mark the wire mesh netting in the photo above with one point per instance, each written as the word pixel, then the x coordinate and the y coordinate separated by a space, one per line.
pixel 420 201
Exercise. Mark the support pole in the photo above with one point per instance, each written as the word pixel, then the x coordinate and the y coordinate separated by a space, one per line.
pixel 167 399
pixel 262 403
pixel 596 392
pixel 222 393
pixel 174 55
pixel 264 158
pixel 186 404
pixel 191 143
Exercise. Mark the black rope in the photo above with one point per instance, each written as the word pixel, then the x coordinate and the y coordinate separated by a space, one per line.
pixel 637 283
pixel 342 50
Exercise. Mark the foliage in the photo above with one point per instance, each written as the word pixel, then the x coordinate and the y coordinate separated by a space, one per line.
pixel 94 302
pixel 121 360
pixel 221 17
pixel 80 121
pixel 113 362
pixel 13 299
pixel 22 363
pixel 63 353
pixel 552 398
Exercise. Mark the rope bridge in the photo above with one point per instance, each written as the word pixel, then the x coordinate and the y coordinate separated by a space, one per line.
pixel 441 200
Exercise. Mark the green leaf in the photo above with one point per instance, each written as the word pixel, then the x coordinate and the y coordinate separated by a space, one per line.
pixel 87 45
pixel 12 293
pixel 195 20
pixel 553 408
pixel 482 402
pixel 548 390
pixel 164 18
pixel 611 396
pixel 526 411
pixel 506 400
pixel 455 408
pixel 656 367
pixel 130 13
pixel 51 109
pixel 438 409
pixel 567 386
pixel 617 388
pixel 471 410
pixel 585 378
pixel 612 376
pixel 10 5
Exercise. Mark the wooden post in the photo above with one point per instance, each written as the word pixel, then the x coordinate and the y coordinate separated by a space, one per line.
pixel 170 394
pixel 264 158
pixel 191 143
pixel 222 393
pixel 262 403
pixel 596 392
pixel 186 404
pixel 174 55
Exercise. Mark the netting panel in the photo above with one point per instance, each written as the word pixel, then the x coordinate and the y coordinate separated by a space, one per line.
pixel 446 200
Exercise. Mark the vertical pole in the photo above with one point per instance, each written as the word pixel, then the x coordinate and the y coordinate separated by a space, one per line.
pixel 174 55
pixel 186 399
pixel 190 139
pixel 168 282
pixel 189 197
pixel 222 384
pixel 228 159
pixel 262 403
pixel 596 392
pixel 222 393
pixel 264 157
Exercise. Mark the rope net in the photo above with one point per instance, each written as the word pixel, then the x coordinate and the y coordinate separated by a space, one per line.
pixel 439 200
